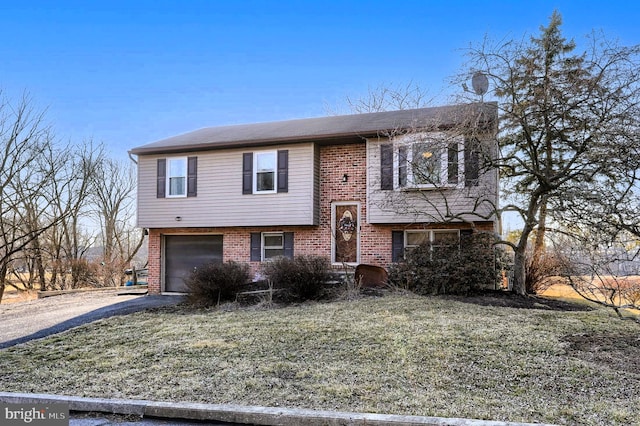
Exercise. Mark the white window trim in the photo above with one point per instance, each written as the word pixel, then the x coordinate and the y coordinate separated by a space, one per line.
pixel 442 139
pixel 264 247
pixel 169 176
pixel 255 172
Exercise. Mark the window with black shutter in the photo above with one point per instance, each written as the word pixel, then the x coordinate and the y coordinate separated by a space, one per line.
pixel 161 178
pixel 265 172
pixel 192 176
pixel 176 177
pixel 471 162
pixel 270 245
pixel 397 246
pixel 386 166
pixel 283 170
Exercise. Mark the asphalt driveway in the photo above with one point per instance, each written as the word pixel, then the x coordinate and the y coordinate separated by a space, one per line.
pixel 39 318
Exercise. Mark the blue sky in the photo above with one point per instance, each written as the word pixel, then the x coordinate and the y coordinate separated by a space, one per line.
pixel 131 72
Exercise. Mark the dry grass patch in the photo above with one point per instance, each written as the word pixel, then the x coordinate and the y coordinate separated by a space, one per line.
pixel 563 291
pixel 397 354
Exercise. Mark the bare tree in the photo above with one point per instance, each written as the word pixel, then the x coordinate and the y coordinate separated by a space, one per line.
pixel 24 201
pixel 114 186
pixel 51 215
pixel 68 242
pixel 387 98
pixel 601 270
pixel 568 122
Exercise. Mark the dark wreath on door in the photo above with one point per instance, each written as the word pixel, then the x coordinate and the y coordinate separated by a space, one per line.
pixel 346 233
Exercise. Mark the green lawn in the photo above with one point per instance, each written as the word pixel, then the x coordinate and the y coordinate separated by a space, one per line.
pixel 398 354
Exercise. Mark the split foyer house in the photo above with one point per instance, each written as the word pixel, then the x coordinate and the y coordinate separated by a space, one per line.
pixel 354 188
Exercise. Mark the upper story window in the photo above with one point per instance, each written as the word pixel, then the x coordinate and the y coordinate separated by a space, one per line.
pixel 177 177
pixel 264 175
pixel 430 163
pixel 265 172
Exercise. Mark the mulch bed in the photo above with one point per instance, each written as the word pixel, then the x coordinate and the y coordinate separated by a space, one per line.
pixel 510 300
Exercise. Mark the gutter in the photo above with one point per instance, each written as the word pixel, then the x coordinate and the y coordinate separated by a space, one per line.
pixel 131 157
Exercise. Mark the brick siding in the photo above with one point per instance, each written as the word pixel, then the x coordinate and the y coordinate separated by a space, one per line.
pixel 335 162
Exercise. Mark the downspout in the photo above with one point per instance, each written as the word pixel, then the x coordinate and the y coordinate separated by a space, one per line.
pixel 131 157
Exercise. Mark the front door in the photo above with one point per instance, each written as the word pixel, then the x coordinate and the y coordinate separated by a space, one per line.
pixel 345 228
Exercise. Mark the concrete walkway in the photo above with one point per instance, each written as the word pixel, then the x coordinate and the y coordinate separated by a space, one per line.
pixel 239 414
pixel 40 318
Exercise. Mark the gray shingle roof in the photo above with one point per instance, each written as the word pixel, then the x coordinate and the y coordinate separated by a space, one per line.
pixel 343 127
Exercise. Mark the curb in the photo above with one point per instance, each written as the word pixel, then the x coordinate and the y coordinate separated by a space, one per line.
pixel 242 414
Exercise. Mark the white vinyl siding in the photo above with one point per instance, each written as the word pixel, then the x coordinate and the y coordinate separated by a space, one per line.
pixel 220 202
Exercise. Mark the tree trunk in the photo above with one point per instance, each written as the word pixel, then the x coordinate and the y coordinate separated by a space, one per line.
pixel 520 256
pixel 519 272
pixel 3 277
pixel 538 246
pixel 39 264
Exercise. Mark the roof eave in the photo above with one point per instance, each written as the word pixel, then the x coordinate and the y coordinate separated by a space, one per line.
pixel 321 139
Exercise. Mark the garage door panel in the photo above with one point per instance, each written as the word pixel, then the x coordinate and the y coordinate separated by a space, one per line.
pixel 183 253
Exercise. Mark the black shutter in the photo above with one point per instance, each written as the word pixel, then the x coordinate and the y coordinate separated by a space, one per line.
pixel 283 171
pixel 402 166
pixel 192 175
pixel 256 247
pixel 247 173
pixel 397 246
pixel 471 162
pixel 288 245
pixel 162 178
pixel 386 166
pixel 452 164
pixel 466 236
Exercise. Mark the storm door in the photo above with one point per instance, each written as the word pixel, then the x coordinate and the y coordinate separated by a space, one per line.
pixel 345 229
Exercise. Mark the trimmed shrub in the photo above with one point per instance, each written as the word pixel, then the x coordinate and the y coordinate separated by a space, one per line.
pixel 302 278
pixel 456 267
pixel 216 282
